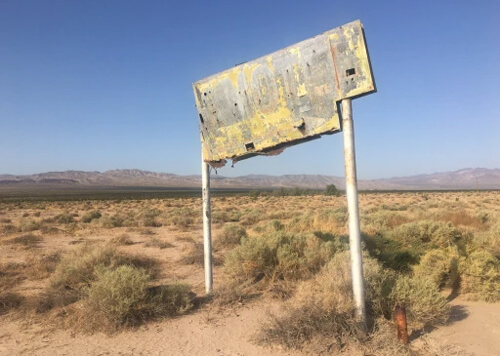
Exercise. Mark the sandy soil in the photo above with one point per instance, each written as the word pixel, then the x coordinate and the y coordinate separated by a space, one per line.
pixel 473 330
pixel 202 333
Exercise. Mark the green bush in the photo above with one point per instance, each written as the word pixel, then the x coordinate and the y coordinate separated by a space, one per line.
pixel 121 296
pixel 253 259
pixel 439 266
pixel 279 256
pixel 77 270
pixel 331 190
pixel 390 252
pixel 480 276
pixel 425 305
pixel 118 294
pixel 424 234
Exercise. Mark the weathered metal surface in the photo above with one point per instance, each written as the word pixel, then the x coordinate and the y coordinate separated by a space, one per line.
pixel 284 98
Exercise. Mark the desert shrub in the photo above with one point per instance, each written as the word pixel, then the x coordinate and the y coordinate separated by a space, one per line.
pixel 9 229
pixel 64 218
pixel 117 293
pixel 40 266
pixel 381 221
pixel 168 300
pixel 10 275
pixel 307 322
pixel 489 240
pixel 27 240
pixel 182 222
pixel 122 239
pixel 480 276
pixel 122 297
pixel 29 225
pixel 231 235
pixel 252 260
pixel 76 271
pixel 325 217
pixel 425 305
pixel 331 190
pixel 381 341
pixel 91 215
pixel 277 225
pixel 194 254
pixel 155 242
pixel 391 252
pixel 439 266
pixel 9 301
pixel 278 256
pixel 251 217
pixel 322 310
pixel 461 217
pixel 149 218
pixel 420 236
pixel 332 287
pixel 112 221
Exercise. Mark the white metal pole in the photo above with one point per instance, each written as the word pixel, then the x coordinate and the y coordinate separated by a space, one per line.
pixel 207 224
pixel 352 204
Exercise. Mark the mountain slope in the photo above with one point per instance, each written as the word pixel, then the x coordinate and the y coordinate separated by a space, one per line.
pixel 478 178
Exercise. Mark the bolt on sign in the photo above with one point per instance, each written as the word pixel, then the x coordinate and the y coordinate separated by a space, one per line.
pixel 284 98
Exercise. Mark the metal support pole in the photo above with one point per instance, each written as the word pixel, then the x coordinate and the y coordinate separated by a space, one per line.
pixel 352 204
pixel 207 224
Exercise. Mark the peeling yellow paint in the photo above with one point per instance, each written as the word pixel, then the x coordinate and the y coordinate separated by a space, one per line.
pixel 260 115
pixel 296 51
pixel 301 90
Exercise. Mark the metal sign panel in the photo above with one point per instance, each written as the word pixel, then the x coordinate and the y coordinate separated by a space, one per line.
pixel 284 98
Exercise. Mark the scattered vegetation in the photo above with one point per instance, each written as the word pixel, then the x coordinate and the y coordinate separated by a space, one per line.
pixel 416 248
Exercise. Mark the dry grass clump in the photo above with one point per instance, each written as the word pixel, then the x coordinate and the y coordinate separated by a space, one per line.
pixel 462 218
pixel 76 271
pixel 480 276
pixel 194 254
pixel 231 236
pixel 27 240
pixel 41 266
pixel 251 217
pixel 149 218
pixel 9 301
pixel 425 305
pixel 322 310
pixel 272 259
pixel 420 235
pixel 156 242
pixel 27 225
pixel 91 215
pixel 103 290
pixel 122 239
pixel 10 275
pixel 440 266
pixel 121 297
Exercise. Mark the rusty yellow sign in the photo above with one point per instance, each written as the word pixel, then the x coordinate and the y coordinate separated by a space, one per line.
pixel 284 98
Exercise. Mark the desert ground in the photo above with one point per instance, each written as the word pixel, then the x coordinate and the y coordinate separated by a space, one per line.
pixel 125 277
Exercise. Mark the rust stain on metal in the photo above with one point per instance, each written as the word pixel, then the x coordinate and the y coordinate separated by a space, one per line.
pixel 284 98
pixel 401 324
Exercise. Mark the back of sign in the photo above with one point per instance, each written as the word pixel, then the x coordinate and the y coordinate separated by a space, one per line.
pixel 287 97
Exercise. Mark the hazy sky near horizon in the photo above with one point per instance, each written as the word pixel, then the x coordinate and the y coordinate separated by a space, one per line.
pixel 100 85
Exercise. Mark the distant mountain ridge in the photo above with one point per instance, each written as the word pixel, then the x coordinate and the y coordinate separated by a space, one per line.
pixel 470 178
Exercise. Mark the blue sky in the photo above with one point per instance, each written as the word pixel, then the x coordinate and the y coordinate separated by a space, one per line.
pixel 99 85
